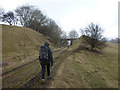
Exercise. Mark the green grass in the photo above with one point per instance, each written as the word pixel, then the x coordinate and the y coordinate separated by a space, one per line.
pixel 85 69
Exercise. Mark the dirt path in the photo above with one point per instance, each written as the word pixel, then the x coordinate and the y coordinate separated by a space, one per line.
pixel 18 67
pixel 60 59
pixel 35 81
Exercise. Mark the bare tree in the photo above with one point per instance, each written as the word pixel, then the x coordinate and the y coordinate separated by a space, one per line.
pixel 8 17
pixel 73 34
pixel 30 16
pixel 94 36
pixel 2 12
pixel 54 31
pixel 64 35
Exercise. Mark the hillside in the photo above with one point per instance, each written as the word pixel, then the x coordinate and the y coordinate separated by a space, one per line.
pixel 85 69
pixel 74 67
pixel 20 49
pixel 20 45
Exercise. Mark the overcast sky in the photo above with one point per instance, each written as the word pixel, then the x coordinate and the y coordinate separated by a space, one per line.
pixel 75 14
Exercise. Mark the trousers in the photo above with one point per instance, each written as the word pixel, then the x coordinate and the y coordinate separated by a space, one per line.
pixel 43 70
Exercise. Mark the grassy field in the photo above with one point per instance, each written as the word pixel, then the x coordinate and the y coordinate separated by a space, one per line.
pixel 85 69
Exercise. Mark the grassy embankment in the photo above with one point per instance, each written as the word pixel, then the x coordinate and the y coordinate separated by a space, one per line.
pixel 86 69
pixel 20 45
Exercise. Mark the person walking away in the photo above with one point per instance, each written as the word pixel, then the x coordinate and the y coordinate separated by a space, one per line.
pixel 46 59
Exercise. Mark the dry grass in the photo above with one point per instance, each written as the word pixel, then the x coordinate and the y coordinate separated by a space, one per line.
pixel 86 69
pixel 19 45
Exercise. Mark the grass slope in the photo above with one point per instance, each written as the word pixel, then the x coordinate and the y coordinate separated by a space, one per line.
pixel 20 45
pixel 85 69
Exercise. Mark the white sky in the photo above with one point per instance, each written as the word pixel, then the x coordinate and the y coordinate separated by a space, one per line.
pixel 75 14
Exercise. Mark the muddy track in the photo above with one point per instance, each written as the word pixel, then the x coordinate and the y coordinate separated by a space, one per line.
pixel 35 79
pixel 9 71
pixel 16 68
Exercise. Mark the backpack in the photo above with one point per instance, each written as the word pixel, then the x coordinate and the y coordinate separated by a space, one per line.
pixel 43 56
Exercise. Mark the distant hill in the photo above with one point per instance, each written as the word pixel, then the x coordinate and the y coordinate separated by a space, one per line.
pixel 19 43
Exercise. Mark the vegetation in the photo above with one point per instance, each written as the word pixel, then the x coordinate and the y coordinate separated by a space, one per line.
pixel 74 67
pixel 31 17
pixel 22 75
pixel 86 69
pixel 8 17
pixel 2 12
pixel 64 36
pixel 20 45
pixel 94 36
pixel 73 34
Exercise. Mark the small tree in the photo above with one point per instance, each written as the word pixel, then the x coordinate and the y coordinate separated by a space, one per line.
pixel 8 17
pixel 73 34
pixel 94 36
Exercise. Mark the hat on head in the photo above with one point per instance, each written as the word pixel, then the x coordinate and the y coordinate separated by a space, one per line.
pixel 46 44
